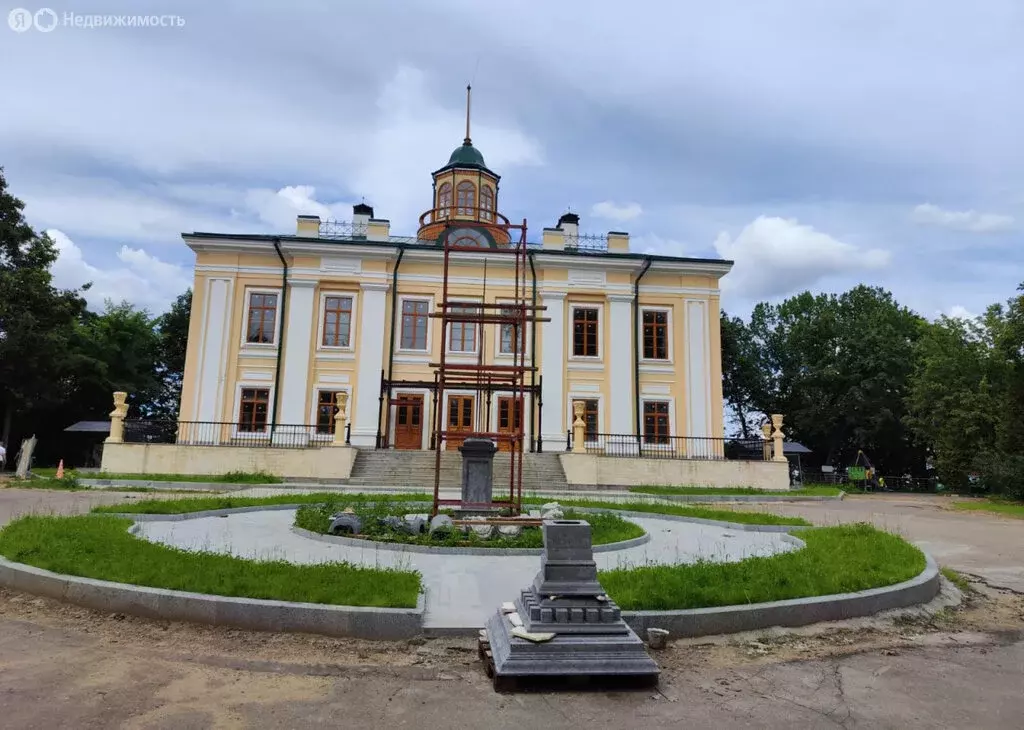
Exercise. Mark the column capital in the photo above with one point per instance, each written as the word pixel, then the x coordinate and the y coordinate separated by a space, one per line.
pixel 627 298
pixel 554 295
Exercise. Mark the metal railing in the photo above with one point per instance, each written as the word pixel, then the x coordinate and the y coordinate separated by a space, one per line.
pixel 587 243
pixel 342 229
pixel 674 447
pixel 229 433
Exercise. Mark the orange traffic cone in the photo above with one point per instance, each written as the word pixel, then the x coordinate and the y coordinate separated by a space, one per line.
pixel 60 469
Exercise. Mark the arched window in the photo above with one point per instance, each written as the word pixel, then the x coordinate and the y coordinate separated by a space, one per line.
pixel 466 197
pixel 444 200
pixel 487 202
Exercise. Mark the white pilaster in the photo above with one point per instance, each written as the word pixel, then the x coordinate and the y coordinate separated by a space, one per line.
pixel 370 352
pixel 298 334
pixel 553 369
pixel 213 355
pixel 620 357
pixel 698 370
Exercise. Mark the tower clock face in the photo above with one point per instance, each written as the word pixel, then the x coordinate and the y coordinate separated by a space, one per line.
pixel 470 238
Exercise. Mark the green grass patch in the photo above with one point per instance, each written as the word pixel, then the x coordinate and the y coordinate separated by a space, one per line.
pixel 100 547
pixel 1003 507
pixel 809 491
pixel 226 501
pixel 233 477
pixel 836 560
pixel 956 579
pixel 605 528
pixel 682 510
pixel 67 484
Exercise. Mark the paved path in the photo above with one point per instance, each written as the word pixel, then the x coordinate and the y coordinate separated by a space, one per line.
pixel 462 590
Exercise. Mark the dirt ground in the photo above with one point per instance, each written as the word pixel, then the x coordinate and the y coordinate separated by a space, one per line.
pixel 62 666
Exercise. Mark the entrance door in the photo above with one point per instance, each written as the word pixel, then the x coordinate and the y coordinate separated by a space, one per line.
pixel 409 422
pixel 510 420
pixel 460 420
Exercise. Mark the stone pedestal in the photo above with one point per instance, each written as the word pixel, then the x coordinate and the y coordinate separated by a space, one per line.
pixel 566 599
pixel 477 472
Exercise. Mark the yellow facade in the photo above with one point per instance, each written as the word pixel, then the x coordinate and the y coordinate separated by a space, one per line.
pixel 279 321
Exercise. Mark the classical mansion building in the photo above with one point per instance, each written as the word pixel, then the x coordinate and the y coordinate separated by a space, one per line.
pixel 282 324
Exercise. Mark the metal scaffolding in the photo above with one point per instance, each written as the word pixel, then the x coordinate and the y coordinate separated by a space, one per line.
pixel 488 377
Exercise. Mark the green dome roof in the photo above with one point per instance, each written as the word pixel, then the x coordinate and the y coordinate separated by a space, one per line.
pixel 467 155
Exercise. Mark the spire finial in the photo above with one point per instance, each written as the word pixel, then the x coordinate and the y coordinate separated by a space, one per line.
pixel 469 91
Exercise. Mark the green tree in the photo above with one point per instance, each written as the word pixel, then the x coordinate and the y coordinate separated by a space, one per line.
pixel 37 321
pixel 837 367
pixel 173 332
pixel 741 372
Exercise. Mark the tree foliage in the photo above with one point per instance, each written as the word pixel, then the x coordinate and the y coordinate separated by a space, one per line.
pixel 60 362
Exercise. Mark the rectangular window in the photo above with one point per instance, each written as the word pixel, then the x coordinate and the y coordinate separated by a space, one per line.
pixel 462 335
pixel 337 321
pixel 326 407
pixel 414 324
pixel 584 331
pixel 262 318
pixel 507 344
pixel 656 422
pixel 655 335
pixel 252 412
pixel 590 416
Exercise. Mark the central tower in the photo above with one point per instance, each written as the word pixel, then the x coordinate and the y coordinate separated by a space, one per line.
pixel 465 200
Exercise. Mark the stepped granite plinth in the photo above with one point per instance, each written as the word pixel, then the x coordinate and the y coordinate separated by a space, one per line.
pixel 566 599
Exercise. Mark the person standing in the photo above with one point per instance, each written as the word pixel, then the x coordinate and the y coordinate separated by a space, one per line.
pixel 3 456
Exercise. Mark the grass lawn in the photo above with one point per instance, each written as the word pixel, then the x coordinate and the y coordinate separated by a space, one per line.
pixel 808 491
pixel 101 547
pixel 956 579
pixel 605 528
pixel 836 560
pixel 197 504
pixel 70 484
pixel 235 477
pixel 1003 507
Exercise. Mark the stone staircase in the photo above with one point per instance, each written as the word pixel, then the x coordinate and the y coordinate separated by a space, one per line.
pixel 415 470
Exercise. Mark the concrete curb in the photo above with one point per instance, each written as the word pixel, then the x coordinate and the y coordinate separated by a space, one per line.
pixel 361 622
pixel 790 613
pixel 179 516
pixel 451 550
pixel 114 484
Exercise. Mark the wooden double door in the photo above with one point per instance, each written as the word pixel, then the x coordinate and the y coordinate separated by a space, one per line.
pixel 409 418
pixel 510 419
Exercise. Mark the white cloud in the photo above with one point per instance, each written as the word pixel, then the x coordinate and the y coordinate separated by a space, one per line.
pixel 279 209
pixel 968 220
pixel 616 212
pixel 958 311
pixel 142 279
pixel 777 256
pixel 652 243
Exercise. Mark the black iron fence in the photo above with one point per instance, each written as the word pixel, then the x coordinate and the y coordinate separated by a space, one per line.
pixel 674 447
pixel 228 433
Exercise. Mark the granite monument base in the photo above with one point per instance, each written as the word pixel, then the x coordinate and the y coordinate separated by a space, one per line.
pixel 579 631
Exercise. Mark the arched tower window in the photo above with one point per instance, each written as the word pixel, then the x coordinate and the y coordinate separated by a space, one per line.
pixel 487 202
pixel 444 200
pixel 466 196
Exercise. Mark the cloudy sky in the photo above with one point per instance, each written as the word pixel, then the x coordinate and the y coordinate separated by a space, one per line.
pixel 817 144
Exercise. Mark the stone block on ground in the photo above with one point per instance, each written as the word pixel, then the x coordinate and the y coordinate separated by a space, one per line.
pixel 510 531
pixel 345 524
pixel 415 524
pixel 441 524
pixel 484 531
pixel 396 524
